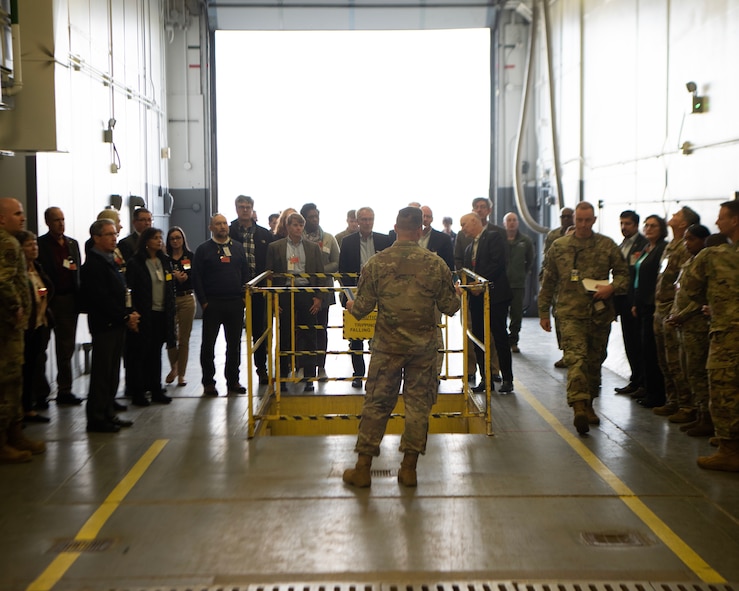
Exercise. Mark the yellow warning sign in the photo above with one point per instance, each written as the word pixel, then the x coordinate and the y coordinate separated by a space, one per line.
pixel 359 329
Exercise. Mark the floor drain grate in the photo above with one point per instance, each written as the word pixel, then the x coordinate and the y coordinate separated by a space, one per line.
pixel 459 586
pixel 72 545
pixel 452 586
pixel 315 587
pixel 383 473
pixel 615 539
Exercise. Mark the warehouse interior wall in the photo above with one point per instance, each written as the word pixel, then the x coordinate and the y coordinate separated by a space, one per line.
pixel 627 134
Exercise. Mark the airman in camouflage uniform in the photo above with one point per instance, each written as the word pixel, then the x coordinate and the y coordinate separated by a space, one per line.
pixel 584 317
pixel 407 284
pixel 692 330
pixel 714 278
pixel 566 217
pixel 15 306
pixel 677 388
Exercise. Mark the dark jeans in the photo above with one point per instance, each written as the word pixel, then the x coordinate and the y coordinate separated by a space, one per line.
pixel 64 309
pixel 35 385
pixel 631 331
pixel 653 381
pixel 258 326
pixel 305 338
pixel 357 358
pixel 228 313
pixel 498 317
pixel 144 355
pixel 107 346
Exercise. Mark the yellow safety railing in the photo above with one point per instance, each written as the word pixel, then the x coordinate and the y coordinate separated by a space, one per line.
pixel 262 284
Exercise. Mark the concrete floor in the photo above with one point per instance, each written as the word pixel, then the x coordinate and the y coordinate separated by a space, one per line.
pixel 183 500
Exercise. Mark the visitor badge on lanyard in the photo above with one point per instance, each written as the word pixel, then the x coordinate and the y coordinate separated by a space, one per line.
pixel 292 263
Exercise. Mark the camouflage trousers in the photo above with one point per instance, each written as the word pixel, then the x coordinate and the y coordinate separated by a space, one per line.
pixel 11 379
pixel 585 346
pixel 386 370
pixel 693 336
pixel 723 376
pixel 677 390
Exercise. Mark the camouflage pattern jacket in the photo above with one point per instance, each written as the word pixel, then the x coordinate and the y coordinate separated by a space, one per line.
pixel 673 258
pixel 406 283
pixel 714 278
pixel 14 292
pixel 593 258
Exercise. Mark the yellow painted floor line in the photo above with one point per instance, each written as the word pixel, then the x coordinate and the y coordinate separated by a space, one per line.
pixel 62 563
pixel 660 529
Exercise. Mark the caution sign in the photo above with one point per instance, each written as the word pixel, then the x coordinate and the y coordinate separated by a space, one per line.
pixel 359 329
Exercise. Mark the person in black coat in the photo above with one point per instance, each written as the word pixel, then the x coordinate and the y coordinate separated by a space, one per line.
pixel 59 255
pixel 149 276
pixel 103 296
pixel 631 247
pixel 642 291
pixel 486 255
pixel 255 240
pixel 356 249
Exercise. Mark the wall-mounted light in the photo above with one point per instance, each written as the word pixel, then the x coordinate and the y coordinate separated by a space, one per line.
pixel 134 202
pixel 699 102
pixel 116 201
pixel 108 133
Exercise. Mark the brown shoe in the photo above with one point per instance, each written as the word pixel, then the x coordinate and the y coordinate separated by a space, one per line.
pixel 9 454
pixel 684 415
pixel 407 472
pixel 703 427
pixel 19 441
pixel 580 421
pixel 665 410
pixel 725 459
pixel 359 476
pixel 593 419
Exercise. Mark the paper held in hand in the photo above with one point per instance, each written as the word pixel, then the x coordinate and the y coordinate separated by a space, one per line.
pixel 592 284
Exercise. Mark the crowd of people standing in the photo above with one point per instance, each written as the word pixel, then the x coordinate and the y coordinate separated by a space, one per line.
pixel 140 294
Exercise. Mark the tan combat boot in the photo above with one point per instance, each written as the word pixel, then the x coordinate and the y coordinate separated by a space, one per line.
pixel 407 472
pixel 359 476
pixel 593 419
pixel 703 427
pixel 11 455
pixel 726 458
pixel 18 440
pixel 581 417
pixel 684 415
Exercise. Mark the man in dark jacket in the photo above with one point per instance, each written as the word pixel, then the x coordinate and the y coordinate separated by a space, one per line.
pixel 220 270
pixel 59 255
pixel 486 255
pixel 356 250
pixel 103 289
pixel 255 240
pixel 631 248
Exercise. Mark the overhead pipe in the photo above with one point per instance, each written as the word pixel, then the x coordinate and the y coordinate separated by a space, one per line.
pixel 552 110
pixel 518 192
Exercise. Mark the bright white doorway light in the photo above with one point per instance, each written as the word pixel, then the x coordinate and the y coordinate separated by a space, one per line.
pixel 351 118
